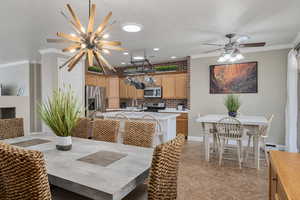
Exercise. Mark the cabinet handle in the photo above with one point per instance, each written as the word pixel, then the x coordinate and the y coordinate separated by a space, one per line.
pixel 274 179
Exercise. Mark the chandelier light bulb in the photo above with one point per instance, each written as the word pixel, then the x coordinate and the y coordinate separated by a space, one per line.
pixel 227 56
pixel 239 56
pixel 221 59
pixel 83 45
pixel 106 51
pixel 105 36
pixel 232 59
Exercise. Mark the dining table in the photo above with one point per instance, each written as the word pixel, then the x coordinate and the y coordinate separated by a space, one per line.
pixel 93 169
pixel 251 123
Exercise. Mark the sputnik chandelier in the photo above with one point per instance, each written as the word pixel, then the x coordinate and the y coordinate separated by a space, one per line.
pixel 90 43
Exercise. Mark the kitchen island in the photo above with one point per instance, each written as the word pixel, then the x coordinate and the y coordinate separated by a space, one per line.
pixel 167 122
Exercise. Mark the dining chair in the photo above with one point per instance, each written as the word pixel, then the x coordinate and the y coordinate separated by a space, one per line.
pixel 158 128
pixel 11 128
pixel 139 133
pixel 163 175
pixel 82 128
pixel 263 132
pixel 210 131
pixel 228 129
pixel 106 130
pixel 122 118
pixel 23 174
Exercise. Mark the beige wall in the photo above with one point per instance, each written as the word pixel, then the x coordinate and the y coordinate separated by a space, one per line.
pixel 270 99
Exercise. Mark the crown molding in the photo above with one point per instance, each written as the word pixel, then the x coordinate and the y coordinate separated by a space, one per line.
pixel 297 39
pixel 247 50
pixel 17 63
pixel 54 50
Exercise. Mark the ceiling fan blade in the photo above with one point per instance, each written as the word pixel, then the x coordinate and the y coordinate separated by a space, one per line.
pixel 90 56
pixel 96 54
pixel 92 19
pixel 75 60
pixel 58 41
pixel 105 62
pixel 104 23
pixel 72 48
pixel 259 44
pixel 215 50
pixel 75 18
pixel 110 43
pixel 212 44
pixel 69 37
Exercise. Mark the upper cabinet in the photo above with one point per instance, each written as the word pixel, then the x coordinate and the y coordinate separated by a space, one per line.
pixel 169 86
pixel 181 86
pixel 129 91
pixel 95 80
pixel 174 85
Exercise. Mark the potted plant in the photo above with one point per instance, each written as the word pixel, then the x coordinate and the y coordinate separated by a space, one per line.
pixel 232 103
pixel 61 113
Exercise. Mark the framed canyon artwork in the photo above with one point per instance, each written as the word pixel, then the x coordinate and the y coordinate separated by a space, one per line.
pixel 233 78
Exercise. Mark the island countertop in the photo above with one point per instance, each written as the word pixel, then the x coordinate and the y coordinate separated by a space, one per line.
pixel 139 115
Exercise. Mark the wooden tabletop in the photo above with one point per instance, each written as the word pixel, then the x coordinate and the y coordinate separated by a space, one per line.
pixel 98 170
pixel 287 166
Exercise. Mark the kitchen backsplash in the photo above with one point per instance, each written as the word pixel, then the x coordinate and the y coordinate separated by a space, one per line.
pixel 170 103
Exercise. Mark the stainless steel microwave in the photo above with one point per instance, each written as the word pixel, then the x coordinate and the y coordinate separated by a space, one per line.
pixel 153 92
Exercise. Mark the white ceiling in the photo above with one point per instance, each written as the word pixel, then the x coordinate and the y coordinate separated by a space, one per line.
pixel 177 27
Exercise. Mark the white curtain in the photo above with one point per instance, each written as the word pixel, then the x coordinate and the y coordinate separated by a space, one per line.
pixel 292 103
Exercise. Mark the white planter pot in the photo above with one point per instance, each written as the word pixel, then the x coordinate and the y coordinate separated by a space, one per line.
pixel 64 143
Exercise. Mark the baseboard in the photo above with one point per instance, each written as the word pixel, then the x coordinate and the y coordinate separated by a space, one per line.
pixel 195 138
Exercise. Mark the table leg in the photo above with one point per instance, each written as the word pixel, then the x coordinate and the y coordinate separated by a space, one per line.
pixel 257 151
pixel 206 140
pixel 206 143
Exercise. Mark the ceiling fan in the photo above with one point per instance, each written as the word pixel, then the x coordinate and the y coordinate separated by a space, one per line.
pixel 230 52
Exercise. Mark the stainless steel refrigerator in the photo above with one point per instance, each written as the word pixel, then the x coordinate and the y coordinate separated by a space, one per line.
pixel 94 100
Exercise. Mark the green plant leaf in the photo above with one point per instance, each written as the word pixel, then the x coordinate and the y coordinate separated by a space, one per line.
pixel 232 103
pixel 61 112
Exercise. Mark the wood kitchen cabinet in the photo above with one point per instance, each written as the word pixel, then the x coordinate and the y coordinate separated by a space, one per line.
pixel 174 86
pixel 112 92
pixel 95 80
pixel 129 91
pixel 182 124
pixel 91 79
pixel 284 176
pixel 168 86
pixel 181 86
pixel 123 89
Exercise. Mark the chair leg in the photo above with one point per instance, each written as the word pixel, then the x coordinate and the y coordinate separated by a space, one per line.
pixel 266 152
pixel 221 150
pixel 248 147
pixel 239 150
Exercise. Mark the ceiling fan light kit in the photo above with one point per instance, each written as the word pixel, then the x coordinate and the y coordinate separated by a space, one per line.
pixel 231 50
pixel 88 42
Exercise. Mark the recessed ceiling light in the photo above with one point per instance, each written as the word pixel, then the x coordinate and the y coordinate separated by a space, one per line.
pixel 123 63
pixel 105 36
pixel 138 58
pixel 132 27
pixel 155 49
pixel 173 57
pixel 125 53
